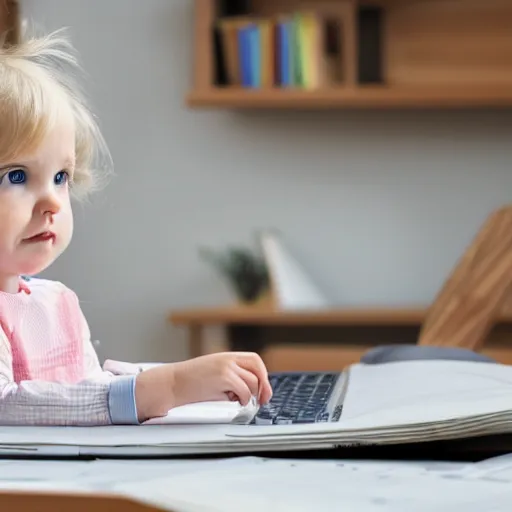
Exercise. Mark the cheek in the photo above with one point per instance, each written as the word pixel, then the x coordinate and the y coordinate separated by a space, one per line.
pixel 13 217
pixel 66 219
pixel 70 224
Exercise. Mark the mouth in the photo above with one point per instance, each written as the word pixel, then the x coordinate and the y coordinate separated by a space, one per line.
pixel 44 236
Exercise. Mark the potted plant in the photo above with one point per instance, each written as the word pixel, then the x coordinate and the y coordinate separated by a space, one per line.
pixel 245 271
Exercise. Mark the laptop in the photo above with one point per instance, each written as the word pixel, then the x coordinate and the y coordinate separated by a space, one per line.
pixel 298 398
pixel 302 398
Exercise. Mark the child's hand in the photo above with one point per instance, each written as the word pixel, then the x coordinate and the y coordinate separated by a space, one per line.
pixel 229 375
pixel 224 376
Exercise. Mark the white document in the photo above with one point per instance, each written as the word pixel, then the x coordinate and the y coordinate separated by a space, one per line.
pixel 496 468
pixel 255 484
pixel 425 392
pixel 321 486
pixel 391 403
pixel 223 412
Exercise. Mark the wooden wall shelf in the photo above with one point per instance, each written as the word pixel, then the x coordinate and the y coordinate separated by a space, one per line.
pixel 323 317
pixel 323 340
pixel 360 98
pixel 367 54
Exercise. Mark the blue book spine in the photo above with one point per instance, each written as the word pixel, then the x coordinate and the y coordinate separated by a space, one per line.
pixel 285 53
pixel 255 37
pixel 244 55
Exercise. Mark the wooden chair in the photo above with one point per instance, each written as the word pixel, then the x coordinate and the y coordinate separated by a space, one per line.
pixel 477 291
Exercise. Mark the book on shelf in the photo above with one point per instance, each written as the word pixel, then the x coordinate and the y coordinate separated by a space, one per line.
pixel 284 51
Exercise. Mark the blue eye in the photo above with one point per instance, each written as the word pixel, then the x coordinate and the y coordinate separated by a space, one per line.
pixel 61 178
pixel 17 177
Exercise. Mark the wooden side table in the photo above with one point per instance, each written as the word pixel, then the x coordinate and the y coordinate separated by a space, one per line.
pixel 318 340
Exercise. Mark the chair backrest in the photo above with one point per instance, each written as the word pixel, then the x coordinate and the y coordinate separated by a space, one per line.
pixel 477 291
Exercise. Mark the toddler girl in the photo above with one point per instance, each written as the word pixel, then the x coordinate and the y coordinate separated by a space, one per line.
pixel 49 371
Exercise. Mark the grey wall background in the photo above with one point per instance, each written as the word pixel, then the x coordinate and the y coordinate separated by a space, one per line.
pixel 377 206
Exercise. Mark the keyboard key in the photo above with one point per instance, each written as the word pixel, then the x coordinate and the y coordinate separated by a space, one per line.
pixel 297 398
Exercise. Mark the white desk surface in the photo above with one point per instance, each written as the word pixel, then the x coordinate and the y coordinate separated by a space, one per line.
pixel 259 484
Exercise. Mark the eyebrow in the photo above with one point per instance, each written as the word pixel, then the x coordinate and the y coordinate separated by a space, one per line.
pixel 10 166
pixel 68 162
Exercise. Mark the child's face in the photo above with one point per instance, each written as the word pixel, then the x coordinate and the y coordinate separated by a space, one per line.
pixel 36 221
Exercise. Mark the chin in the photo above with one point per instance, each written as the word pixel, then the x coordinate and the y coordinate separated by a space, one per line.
pixel 35 266
pixel 34 259
pixel 32 270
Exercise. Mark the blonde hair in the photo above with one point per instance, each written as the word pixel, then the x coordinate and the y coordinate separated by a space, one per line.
pixel 37 86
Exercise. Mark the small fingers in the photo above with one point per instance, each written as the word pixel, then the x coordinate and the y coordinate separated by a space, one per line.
pixel 253 363
pixel 250 379
pixel 239 388
pixel 265 392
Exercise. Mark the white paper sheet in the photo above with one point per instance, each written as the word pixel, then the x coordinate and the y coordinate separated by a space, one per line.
pixel 114 436
pixel 396 402
pixel 425 391
pixel 221 412
pixel 321 486
pixel 251 483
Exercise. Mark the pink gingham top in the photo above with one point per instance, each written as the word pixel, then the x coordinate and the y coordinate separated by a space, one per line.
pixel 49 370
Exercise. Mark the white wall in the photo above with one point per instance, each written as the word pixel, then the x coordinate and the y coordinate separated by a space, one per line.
pixel 377 205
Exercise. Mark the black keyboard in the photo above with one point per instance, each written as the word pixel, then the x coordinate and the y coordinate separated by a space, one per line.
pixel 297 398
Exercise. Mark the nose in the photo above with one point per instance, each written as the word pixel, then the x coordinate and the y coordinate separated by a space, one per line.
pixel 49 205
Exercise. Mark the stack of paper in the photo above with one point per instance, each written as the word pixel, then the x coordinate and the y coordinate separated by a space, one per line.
pixel 404 402
pixel 256 484
pixel 302 486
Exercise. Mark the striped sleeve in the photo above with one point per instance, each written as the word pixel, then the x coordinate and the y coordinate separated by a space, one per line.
pixel 50 403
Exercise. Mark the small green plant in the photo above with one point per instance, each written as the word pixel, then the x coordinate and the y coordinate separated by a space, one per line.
pixel 245 271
